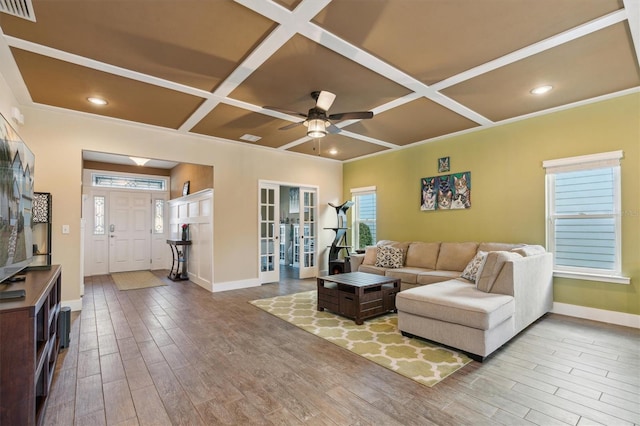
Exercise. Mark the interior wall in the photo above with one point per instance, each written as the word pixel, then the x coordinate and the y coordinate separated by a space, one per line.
pixel 57 138
pixel 200 177
pixel 123 168
pixel 508 187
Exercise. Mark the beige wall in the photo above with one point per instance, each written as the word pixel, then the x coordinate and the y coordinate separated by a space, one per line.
pixel 199 177
pixel 57 139
pixel 508 188
pixel 122 168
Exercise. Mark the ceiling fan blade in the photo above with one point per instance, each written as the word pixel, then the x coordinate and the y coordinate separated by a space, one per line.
pixel 286 111
pixel 333 128
pixel 325 100
pixel 361 115
pixel 290 126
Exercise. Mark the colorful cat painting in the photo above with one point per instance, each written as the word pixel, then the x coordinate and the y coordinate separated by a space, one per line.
pixel 446 192
pixel 462 192
pixel 460 201
pixel 444 200
pixel 428 198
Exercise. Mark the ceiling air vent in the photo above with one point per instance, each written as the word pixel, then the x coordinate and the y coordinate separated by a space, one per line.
pixel 19 8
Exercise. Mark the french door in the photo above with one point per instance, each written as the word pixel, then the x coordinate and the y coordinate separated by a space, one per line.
pixel 268 216
pixel 308 230
pixel 305 244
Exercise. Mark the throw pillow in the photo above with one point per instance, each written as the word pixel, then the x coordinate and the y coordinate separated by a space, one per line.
pixel 370 255
pixel 389 257
pixel 473 268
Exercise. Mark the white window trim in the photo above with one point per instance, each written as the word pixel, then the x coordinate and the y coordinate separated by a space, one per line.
pixel 355 235
pixel 583 162
pixel 362 190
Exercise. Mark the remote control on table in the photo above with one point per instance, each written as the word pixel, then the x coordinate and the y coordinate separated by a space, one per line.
pixel 12 294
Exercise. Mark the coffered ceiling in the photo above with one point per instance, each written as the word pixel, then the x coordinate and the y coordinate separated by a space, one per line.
pixel 426 68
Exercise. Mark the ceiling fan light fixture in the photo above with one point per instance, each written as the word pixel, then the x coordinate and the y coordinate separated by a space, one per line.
pixel 316 128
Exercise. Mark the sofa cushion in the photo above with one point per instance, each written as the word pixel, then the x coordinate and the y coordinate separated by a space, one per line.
pixel 530 250
pixel 389 257
pixel 491 268
pixel 372 269
pixel 407 275
pixel 458 302
pixel 422 255
pixel 455 256
pixel 370 254
pixel 431 277
pixel 498 246
pixel 471 270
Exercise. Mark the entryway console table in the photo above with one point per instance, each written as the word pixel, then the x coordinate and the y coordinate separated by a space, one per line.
pixel 179 250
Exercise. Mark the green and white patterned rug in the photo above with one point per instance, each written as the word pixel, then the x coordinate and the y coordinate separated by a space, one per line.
pixel 378 339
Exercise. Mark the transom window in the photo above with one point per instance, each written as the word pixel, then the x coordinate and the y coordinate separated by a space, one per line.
pixel 129 182
pixel 583 216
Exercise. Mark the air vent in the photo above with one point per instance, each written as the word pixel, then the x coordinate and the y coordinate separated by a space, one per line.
pixel 19 8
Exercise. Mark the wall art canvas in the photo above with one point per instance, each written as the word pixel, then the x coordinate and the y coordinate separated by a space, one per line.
pixel 16 198
pixel 446 192
pixel 444 165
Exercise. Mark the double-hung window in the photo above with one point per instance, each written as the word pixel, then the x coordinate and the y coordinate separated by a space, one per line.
pixel 584 217
pixel 363 217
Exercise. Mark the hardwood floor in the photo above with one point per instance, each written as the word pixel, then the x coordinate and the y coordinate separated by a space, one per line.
pixel 181 355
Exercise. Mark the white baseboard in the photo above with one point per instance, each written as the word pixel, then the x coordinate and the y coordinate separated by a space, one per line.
pixel 75 305
pixel 199 281
pixel 236 285
pixel 611 317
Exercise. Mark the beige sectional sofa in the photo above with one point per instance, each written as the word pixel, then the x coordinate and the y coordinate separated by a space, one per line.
pixel 471 296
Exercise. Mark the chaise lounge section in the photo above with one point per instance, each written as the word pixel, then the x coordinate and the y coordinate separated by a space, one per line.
pixel 470 296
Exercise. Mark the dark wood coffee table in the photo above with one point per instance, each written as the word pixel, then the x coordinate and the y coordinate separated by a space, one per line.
pixel 358 295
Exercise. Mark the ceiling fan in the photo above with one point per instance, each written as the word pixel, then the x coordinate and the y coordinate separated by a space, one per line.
pixel 317 121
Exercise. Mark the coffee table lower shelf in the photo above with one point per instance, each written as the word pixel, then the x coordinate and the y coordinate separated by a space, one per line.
pixel 357 295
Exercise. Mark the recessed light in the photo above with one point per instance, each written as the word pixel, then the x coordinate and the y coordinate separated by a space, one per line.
pixel 333 151
pixel 97 101
pixel 541 90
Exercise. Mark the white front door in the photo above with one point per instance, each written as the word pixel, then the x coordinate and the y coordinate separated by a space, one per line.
pixel 269 217
pixel 308 233
pixel 129 231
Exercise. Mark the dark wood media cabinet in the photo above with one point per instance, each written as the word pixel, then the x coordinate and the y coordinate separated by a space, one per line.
pixel 29 345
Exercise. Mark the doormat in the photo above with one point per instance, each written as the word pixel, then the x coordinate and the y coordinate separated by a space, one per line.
pixel 135 280
pixel 378 339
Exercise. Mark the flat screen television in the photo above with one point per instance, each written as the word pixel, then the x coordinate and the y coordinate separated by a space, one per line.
pixel 16 198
